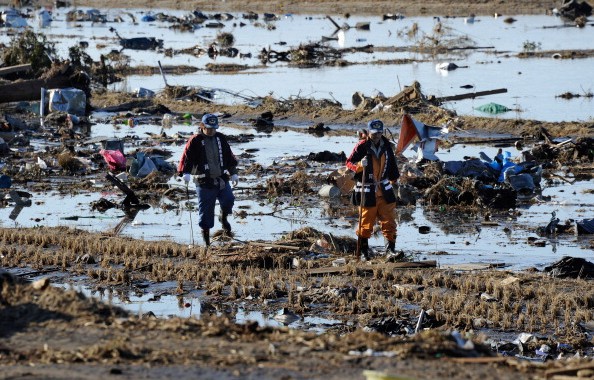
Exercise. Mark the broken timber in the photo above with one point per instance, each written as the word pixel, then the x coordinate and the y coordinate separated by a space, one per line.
pixel 131 202
pixel 472 95
pixel 15 69
pixel 473 266
pixel 277 246
pixel 370 268
pixel 30 89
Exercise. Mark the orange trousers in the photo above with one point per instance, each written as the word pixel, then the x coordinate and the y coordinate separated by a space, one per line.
pixel 387 218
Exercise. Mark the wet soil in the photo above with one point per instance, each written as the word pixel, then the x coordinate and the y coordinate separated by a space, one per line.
pixel 49 332
pixel 407 8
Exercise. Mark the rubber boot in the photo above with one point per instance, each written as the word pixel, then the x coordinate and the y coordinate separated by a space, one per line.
pixel 390 246
pixel 206 237
pixel 225 222
pixel 391 254
pixel 363 249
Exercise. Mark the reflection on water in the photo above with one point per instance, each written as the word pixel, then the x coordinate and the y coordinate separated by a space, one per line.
pixel 317 324
pixel 161 305
pixel 189 305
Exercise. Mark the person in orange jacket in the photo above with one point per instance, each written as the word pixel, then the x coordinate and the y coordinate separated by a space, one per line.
pixel 376 170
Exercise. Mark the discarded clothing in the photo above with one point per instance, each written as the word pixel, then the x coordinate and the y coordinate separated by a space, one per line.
pixel 114 158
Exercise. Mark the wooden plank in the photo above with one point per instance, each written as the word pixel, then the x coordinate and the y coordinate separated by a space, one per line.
pixel 338 27
pixel 30 89
pixel 472 95
pixel 410 264
pixel 125 189
pixel 567 371
pixel 369 268
pixel 481 360
pixel 277 246
pixel 489 223
pixel 472 266
pixel 15 69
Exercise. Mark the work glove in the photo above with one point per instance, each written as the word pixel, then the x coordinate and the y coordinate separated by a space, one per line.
pixel 234 180
pixel 187 177
pixel 364 162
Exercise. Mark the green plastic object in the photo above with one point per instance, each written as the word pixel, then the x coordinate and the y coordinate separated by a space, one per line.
pixel 493 108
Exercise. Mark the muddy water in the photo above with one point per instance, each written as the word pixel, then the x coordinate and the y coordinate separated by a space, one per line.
pixel 532 84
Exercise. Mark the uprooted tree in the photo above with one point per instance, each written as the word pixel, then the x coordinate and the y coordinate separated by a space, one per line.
pixel 29 47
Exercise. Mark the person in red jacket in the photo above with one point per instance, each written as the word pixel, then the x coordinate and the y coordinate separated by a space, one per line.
pixel 207 159
pixel 376 170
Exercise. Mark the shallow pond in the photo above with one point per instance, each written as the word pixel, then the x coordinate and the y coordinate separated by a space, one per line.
pixel 532 84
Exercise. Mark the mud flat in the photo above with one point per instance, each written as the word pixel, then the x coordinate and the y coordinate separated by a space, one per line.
pixel 54 333
pixel 407 8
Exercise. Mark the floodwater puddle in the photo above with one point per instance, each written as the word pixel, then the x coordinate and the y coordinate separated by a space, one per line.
pixel 279 319
pixel 162 304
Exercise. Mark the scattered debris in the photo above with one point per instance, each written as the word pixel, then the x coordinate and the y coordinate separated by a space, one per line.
pixel 571 267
